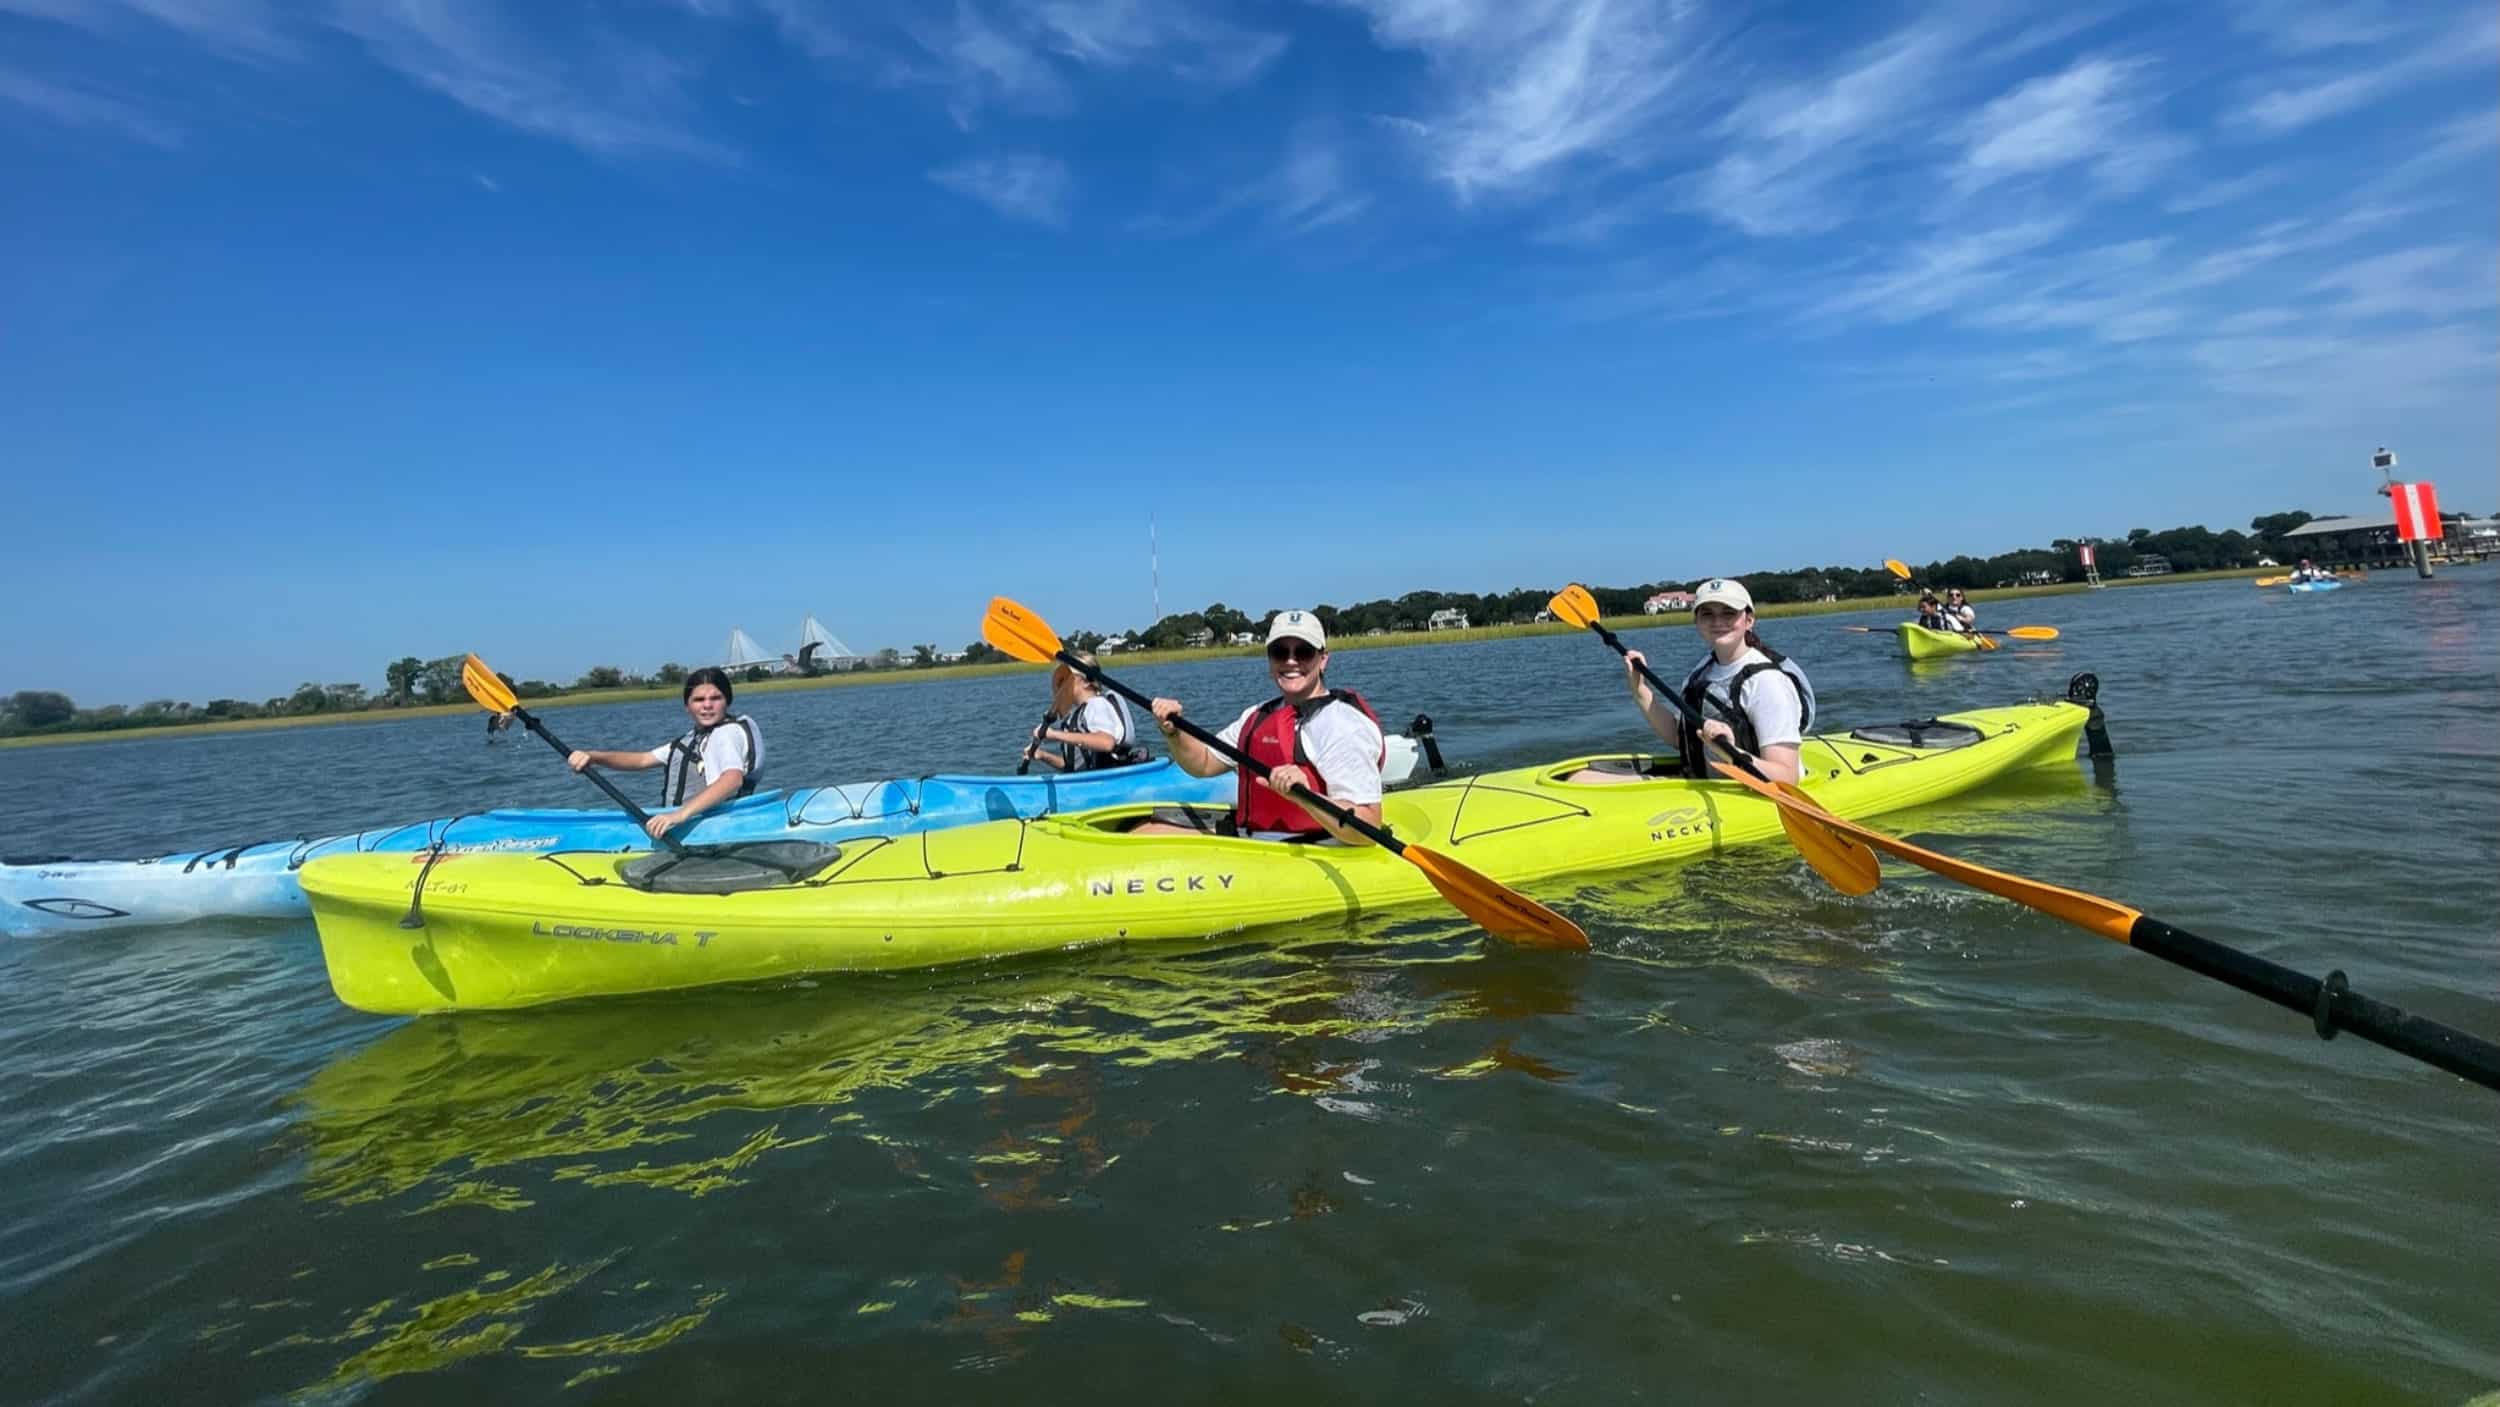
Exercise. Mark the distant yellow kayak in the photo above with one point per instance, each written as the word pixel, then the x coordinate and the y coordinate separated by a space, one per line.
pixel 1924 644
pixel 517 930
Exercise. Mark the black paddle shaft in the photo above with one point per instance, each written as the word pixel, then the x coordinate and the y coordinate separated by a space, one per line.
pixel 1027 764
pixel 1377 835
pixel 641 817
pixel 1658 686
pixel 2331 1004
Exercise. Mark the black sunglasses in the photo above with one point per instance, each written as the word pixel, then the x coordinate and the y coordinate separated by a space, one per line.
pixel 1293 650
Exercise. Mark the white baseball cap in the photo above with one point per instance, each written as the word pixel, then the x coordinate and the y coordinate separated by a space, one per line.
pixel 1297 625
pixel 1726 591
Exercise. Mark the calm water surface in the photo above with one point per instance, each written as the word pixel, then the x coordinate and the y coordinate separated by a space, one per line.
pixel 1764 1144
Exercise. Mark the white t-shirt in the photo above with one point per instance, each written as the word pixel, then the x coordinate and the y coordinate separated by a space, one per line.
pixel 724 751
pixel 1343 744
pixel 1770 700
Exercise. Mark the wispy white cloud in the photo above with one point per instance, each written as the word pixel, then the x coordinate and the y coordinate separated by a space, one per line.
pixel 2209 195
pixel 1791 145
pixel 1021 186
pixel 613 99
pixel 2470 43
pixel 1314 187
pixel 1527 86
pixel 2339 378
pixel 2310 26
pixel 2432 281
pixel 2092 113
pixel 1192 45
pixel 2462 139
pixel 979 63
pixel 1939 273
pixel 74 107
pixel 237 28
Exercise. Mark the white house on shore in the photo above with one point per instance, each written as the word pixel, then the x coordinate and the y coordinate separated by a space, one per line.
pixel 1451 619
pixel 1666 601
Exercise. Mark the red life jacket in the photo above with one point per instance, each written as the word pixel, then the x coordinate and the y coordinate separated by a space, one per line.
pixel 1273 736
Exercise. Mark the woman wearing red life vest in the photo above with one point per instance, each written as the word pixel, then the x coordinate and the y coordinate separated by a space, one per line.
pixel 1328 741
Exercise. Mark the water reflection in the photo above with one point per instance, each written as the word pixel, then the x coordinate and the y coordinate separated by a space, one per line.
pixel 487 1110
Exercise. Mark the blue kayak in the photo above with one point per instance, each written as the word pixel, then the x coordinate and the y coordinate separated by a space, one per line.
pixel 2326 585
pixel 258 880
pixel 59 895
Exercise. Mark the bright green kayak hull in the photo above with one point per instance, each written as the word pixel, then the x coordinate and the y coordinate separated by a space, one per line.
pixel 1924 644
pixel 519 930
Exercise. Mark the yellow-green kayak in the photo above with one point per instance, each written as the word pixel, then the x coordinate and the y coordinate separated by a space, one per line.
pixel 1925 644
pixel 518 930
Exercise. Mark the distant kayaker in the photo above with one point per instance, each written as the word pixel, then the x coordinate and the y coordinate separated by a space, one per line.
pixel 1327 740
pixel 1088 728
pixel 1931 612
pixel 1749 696
pixel 496 723
pixel 720 757
pixel 2308 572
pixel 1958 614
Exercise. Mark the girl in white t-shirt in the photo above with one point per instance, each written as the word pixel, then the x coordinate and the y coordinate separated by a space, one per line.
pixel 1750 697
pixel 1087 727
pixel 718 759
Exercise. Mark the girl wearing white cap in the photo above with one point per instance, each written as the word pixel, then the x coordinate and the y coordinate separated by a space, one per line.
pixel 1328 741
pixel 1749 696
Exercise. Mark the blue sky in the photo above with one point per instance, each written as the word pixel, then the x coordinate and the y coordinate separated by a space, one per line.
pixel 578 333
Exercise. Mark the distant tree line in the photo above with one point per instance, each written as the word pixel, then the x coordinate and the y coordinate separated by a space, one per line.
pixel 410 681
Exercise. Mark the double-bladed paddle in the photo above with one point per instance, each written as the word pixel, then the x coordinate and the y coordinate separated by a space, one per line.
pixel 1500 911
pixel 2331 1004
pixel 1847 866
pixel 487 689
pixel 2018 632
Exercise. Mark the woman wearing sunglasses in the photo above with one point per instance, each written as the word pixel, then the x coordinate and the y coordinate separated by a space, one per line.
pixel 1958 614
pixel 1088 728
pixel 1327 740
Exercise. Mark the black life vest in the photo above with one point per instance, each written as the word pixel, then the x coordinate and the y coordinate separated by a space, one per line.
pixel 1729 708
pixel 1080 758
pixel 1273 734
pixel 686 750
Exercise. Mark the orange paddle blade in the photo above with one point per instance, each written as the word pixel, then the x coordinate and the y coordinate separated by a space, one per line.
pixel 2033 632
pixel 486 688
pixel 1843 863
pixel 1898 568
pixel 1574 604
pixel 1013 630
pixel 1506 914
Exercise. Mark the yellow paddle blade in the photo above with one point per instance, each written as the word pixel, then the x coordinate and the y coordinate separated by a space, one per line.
pixel 1984 642
pixel 1506 914
pixel 1898 568
pixel 1013 630
pixel 485 687
pixel 1574 604
pixel 2272 580
pixel 1843 863
pixel 2033 632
